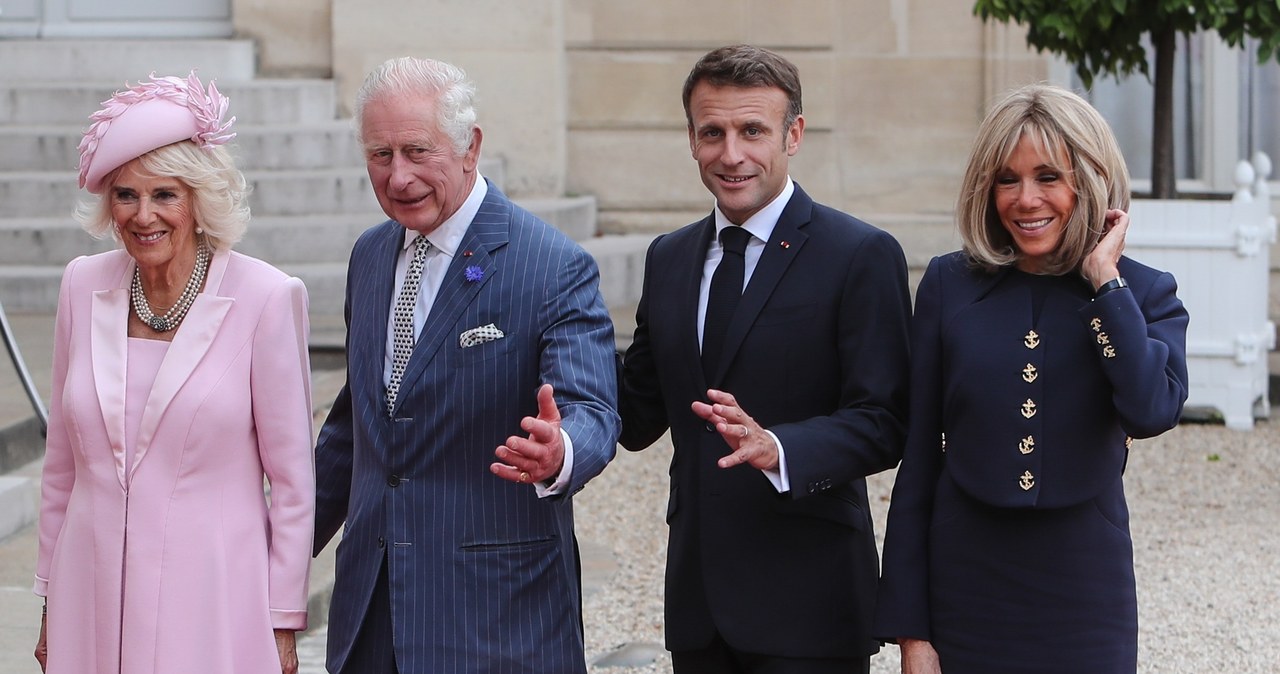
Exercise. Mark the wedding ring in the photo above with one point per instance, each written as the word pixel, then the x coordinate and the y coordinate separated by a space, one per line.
pixel 524 477
pixel 745 432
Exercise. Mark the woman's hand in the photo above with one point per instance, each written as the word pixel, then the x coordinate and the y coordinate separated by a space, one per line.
pixel 42 646
pixel 288 648
pixel 1102 263
pixel 918 657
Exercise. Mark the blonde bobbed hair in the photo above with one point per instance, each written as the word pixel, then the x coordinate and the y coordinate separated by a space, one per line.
pixel 1075 135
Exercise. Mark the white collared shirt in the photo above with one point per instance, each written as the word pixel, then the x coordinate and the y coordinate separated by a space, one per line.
pixel 444 245
pixel 761 226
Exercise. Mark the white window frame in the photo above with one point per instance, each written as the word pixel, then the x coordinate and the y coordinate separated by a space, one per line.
pixel 1218 151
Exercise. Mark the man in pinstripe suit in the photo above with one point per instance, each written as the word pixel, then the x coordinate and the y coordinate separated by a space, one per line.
pixel 452 561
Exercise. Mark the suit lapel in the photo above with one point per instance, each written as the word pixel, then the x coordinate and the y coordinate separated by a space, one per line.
pixel 686 269
pixel 367 324
pixel 779 251
pixel 488 231
pixel 109 346
pixel 190 344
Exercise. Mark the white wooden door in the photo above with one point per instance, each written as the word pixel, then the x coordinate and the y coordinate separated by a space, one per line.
pixel 115 18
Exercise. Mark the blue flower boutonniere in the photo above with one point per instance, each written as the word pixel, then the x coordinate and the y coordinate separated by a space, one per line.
pixel 473 273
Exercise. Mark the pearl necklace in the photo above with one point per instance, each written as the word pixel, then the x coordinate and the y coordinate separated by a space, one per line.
pixel 173 317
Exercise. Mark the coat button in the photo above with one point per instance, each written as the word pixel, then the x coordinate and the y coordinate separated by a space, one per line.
pixel 1029 374
pixel 381 543
pixel 393 481
pixel 711 428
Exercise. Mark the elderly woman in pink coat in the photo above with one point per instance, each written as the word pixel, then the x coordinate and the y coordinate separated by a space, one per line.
pixel 180 381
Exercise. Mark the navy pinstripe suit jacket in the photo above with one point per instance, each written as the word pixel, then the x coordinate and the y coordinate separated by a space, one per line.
pixel 483 575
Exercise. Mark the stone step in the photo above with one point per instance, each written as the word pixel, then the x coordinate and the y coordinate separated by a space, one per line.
pixel 29 287
pixel 334 189
pixel 318 144
pixel 297 238
pixel 34 288
pixel 621 261
pixel 260 101
pixel 620 258
pixel 47 60
pixel 19 497
pixel 34 250
pixel 314 237
pixel 275 192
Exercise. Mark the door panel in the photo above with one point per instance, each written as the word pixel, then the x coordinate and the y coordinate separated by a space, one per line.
pixel 147 10
pixel 115 18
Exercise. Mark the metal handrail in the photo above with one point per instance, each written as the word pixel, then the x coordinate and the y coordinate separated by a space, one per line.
pixel 16 355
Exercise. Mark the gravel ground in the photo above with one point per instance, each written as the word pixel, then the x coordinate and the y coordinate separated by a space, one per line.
pixel 1203 502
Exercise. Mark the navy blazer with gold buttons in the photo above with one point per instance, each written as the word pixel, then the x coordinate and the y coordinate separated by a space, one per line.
pixel 1026 413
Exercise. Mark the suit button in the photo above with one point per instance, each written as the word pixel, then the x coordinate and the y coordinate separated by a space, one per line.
pixel 393 481
pixel 711 428
pixel 381 543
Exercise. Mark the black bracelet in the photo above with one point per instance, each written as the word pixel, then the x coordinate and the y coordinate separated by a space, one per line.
pixel 1114 284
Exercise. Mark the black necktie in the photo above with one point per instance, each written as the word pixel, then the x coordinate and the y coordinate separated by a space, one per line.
pixel 722 299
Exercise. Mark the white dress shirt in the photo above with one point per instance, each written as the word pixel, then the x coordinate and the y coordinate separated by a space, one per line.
pixel 760 225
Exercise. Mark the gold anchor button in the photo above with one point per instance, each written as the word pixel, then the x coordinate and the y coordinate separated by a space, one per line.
pixel 1109 351
pixel 1096 324
pixel 1027 445
pixel 1128 441
pixel 1032 340
pixel 1029 409
pixel 1029 373
pixel 1027 481
pixel 1103 338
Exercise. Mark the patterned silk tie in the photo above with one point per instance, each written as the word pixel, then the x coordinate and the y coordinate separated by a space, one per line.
pixel 722 298
pixel 402 327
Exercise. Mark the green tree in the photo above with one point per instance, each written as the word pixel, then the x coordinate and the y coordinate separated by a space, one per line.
pixel 1104 37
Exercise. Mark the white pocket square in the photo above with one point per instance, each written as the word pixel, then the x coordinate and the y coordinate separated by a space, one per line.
pixel 480 335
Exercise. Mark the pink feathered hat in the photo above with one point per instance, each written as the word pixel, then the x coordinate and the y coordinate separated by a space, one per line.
pixel 147 116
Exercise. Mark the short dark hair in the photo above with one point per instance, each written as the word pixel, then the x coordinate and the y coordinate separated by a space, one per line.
pixel 744 65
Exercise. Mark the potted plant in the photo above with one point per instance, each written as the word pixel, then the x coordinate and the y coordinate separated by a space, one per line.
pixel 1217 249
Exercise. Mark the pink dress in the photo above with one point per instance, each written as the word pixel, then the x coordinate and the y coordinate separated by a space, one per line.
pixel 159 551
pixel 145 356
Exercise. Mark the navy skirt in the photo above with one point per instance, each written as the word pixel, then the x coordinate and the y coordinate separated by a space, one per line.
pixel 1031 591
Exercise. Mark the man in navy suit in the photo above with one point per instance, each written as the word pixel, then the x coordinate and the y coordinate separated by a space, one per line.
pixel 783 387
pixel 474 331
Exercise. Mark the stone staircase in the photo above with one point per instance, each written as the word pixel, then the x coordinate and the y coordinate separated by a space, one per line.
pixel 310 194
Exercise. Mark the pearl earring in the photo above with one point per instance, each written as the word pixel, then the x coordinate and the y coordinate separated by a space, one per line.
pixel 199 230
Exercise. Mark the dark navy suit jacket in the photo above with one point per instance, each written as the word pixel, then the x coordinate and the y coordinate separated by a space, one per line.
pixel 817 354
pixel 1035 414
pixel 483 575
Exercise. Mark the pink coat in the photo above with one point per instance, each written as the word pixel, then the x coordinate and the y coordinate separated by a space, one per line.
pixel 188 569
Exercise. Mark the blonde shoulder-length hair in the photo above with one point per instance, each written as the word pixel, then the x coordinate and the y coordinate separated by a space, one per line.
pixel 219 192
pixel 1076 136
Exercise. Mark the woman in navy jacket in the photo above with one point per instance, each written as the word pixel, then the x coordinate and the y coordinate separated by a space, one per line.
pixel 1038 353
